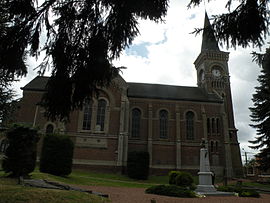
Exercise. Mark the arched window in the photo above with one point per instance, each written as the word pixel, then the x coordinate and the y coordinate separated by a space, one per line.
pixel 101 112
pixel 212 146
pixel 190 125
pixel 208 126
pixel 49 129
pixel 3 145
pixel 135 123
pixel 87 115
pixel 218 126
pixel 213 125
pixel 163 124
pixel 216 146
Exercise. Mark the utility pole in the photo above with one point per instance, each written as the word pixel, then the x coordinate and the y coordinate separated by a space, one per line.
pixel 246 158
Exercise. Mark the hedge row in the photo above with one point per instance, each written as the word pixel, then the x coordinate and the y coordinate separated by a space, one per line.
pixel 56 155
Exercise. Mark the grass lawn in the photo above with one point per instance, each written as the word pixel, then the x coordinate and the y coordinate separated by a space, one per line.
pixel 11 192
pixel 100 179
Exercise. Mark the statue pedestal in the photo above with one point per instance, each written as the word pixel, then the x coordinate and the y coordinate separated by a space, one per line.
pixel 206 186
pixel 205 175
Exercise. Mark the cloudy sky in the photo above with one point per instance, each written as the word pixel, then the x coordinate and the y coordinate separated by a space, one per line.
pixel 164 53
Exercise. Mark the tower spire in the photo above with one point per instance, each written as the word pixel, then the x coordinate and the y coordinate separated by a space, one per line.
pixel 209 41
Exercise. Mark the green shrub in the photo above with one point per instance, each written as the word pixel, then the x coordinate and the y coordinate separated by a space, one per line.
pixel 249 193
pixel 170 190
pixel 241 191
pixel 172 177
pixel 184 179
pixel 56 155
pixel 138 165
pixel 20 155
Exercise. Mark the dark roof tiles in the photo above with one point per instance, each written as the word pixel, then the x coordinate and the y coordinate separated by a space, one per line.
pixel 145 90
pixel 169 92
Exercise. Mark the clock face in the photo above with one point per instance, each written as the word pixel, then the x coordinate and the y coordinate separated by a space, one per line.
pixel 216 72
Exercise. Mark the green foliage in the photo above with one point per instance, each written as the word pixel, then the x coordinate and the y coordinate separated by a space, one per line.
pixel 20 155
pixel 260 113
pixel 241 191
pixel 81 43
pixel 138 165
pixel 56 155
pixel 184 179
pixel 170 190
pixel 181 178
pixel 172 177
pixel 249 193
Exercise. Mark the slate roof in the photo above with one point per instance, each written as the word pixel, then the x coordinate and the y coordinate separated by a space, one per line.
pixel 145 90
pixel 209 41
pixel 37 84
pixel 169 92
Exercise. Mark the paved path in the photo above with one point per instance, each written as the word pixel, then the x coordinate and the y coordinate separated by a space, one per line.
pixel 137 195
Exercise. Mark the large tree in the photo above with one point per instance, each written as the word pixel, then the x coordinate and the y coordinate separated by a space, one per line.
pixel 260 113
pixel 80 39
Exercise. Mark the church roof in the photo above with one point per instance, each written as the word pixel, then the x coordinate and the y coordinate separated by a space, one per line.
pixel 145 90
pixel 37 84
pixel 169 92
pixel 209 41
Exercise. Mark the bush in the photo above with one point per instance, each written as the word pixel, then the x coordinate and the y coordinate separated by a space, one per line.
pixel 56 155
pixel 180 178
pixel 138 165
pixel 20 155
pixel 170 190
pixel 184 179
pixel 241 191
pixel 172 177
pixel 249 193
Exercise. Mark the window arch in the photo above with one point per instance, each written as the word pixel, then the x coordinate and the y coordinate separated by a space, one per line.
pixel 49 129
pixel 163 124
pixel 190 125
pixel 101 112
pixel 135 123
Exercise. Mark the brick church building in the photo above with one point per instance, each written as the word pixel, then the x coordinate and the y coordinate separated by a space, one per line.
pixel 167 121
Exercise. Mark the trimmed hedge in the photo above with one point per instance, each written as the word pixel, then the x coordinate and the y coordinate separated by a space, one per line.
pixel 138 165
pixel 56 155
pixel 170 190
pixel 20 155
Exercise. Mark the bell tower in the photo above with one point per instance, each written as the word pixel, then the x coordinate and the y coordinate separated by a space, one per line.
pixel 212 64
pixel 212 70
pixel 213 76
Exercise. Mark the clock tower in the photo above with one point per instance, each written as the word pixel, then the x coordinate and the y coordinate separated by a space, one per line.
pixel 213 76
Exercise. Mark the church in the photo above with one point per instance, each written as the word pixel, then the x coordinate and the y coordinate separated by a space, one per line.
pixel 167 121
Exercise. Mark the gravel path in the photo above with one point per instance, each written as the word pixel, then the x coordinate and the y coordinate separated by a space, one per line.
pixel 137 195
